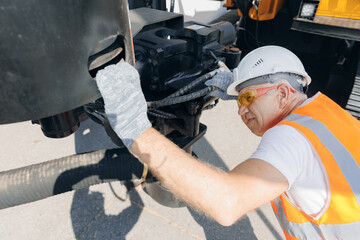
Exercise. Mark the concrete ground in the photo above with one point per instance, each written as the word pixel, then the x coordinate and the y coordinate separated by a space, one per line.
pixel 108 211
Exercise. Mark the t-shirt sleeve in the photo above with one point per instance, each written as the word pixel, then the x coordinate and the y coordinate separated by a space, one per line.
pixel 286 149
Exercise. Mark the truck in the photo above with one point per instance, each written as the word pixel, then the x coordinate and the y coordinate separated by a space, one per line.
pixel 325 34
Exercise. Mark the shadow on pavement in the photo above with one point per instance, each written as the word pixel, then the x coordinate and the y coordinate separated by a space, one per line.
pixel 88 207
pixel 240 230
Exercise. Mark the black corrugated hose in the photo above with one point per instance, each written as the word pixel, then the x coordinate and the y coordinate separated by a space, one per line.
pixel 39 181
pixel 161 114
pixel 174 98
pixel 194 83
pixel 181 99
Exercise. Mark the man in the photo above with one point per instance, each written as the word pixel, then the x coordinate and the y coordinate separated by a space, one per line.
pixel 307 162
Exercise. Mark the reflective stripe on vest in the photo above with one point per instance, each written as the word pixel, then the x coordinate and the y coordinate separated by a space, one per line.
pixel 344 159
pixel 309 230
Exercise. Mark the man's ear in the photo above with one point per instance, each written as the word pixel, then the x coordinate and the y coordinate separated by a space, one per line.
pixel 284 94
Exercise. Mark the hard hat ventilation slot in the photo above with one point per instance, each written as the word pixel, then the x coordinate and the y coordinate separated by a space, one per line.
pixel 258 62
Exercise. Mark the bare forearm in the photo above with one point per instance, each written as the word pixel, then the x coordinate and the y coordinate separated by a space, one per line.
pixel 198 184
pixel 223 196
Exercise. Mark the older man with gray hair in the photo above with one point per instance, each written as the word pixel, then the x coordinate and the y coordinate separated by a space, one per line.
pixel 307 164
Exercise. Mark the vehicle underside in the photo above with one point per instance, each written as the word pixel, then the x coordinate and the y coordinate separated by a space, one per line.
pixel 47 76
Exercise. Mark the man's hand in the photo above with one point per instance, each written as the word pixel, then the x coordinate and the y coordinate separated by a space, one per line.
pixel 125 105
pixel 222 80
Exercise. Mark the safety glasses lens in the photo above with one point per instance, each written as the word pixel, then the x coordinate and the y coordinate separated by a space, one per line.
pixel 247 98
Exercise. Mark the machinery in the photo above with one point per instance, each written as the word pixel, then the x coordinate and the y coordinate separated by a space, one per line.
pixel 50 54
pixel 325 34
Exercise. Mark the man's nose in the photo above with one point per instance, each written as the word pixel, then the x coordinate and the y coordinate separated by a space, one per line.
pixel 242 110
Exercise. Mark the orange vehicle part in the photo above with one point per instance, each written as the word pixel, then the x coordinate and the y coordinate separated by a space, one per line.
pixel 339 8
pixel 267 9
pixel 328 8
pixel 229 4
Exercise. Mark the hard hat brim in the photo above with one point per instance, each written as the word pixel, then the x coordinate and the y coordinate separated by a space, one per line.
pixel 232 89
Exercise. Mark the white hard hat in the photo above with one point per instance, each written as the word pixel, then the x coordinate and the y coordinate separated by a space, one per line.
pixel 266 61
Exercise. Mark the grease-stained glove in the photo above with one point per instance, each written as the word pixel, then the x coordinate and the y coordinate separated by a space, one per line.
pixel 222 80
pixel 125 104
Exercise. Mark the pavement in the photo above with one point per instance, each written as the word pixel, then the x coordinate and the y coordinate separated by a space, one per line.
pixel 109 211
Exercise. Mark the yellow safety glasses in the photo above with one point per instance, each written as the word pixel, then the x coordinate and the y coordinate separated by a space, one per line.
pixel 247 98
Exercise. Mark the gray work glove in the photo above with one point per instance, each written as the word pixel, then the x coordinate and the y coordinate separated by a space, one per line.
pixel 222 80
pixel 125 105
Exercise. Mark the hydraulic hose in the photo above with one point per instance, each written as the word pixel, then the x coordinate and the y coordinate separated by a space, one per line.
pixel 194 83
pixel 181 99
pixel 39 181
pixel 96 106
pixel 161 114
pixel 95 116
pixel 174 98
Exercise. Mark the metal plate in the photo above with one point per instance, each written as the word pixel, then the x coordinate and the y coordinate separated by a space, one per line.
pixel 149 18
pixel 329 26
pixel 44 52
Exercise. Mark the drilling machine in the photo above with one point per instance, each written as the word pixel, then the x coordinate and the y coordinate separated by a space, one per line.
pixel 50 54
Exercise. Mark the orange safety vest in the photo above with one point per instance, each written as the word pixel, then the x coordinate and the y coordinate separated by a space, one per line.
pixel 335 136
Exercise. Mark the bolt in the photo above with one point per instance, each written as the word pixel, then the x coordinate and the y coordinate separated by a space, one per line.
pixel 155 79
pixel 153 87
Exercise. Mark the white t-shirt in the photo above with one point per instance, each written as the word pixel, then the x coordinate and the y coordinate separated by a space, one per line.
pixel 289 151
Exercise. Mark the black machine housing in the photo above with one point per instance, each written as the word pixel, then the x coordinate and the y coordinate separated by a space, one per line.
pixel 60 91
pixel 170 58
pixel 169 54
